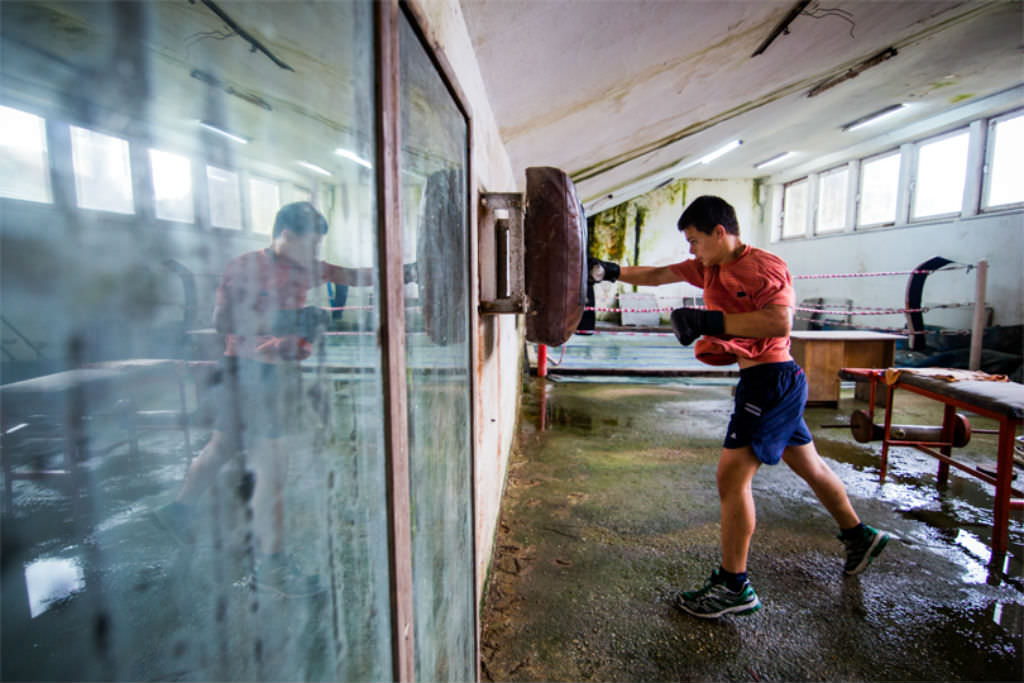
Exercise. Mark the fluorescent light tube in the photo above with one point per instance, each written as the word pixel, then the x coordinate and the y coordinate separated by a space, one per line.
pixel 773 160
pixel 221 131
pixel 352 156
pixel 872 117
pixel 313 167
pixel 724 149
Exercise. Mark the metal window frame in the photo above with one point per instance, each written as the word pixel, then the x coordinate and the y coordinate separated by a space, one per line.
pixel 782 215
pixel 915 158
pixel 897 152
pixel 834 170
pixel 989 150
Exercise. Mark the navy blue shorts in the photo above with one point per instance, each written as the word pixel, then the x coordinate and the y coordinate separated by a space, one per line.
pixel 769 410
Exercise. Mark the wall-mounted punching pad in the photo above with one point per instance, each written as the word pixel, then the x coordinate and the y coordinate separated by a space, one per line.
pixel 555 248
pixel 440 253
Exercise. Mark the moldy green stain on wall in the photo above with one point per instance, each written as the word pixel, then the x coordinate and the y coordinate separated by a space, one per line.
pixel 613 232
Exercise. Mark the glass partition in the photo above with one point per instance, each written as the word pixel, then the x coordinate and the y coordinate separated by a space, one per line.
pixel 194 484
pixel 434 168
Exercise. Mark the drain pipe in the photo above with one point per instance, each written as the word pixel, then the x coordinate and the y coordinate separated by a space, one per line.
pixel 978 328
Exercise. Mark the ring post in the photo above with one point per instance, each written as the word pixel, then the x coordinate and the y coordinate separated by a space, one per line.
pixel 978 328
pixel 542 360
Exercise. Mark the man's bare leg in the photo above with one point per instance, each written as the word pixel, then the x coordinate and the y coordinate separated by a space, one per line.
pixel 271 466
pixel 204 467
pixel 736 470
pixel 863 543
pixel 808 464
pixel 728 591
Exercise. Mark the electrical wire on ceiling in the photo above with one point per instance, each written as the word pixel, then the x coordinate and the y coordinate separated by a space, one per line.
pixel 816 11
pixel 257 46
pixel 807 8
pixel 204 35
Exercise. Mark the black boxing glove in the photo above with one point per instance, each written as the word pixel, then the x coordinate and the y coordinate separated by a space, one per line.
pixel 601 271
pixel 691 323
pixel 305 322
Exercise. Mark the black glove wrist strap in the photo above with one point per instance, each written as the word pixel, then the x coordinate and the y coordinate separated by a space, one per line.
pixel 713 322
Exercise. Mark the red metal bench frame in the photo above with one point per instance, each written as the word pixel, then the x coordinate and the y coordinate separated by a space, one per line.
pixel 1006 497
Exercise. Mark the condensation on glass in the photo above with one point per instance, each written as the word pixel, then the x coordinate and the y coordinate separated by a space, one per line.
pixel 24 162
pixel 144 149
pixel 435 232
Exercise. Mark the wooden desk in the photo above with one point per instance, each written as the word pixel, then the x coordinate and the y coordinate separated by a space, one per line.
pixel 822 354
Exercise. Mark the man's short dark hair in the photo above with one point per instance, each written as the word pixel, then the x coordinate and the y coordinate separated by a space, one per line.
pixel 707 211
pixel 302 218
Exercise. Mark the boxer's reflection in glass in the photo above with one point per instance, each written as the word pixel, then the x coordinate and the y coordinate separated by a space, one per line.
pixel 750 301
pixel 260 309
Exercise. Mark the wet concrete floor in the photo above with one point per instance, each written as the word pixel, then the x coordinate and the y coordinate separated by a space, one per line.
pixel 611 506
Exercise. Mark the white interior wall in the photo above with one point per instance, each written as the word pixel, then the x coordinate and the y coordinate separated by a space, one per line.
pixel 998 238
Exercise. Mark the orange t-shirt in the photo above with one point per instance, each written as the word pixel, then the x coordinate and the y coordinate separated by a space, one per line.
pixel 753 281
pixel 257 284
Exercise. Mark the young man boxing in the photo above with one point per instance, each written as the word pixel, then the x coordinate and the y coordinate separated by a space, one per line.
pixel 749 297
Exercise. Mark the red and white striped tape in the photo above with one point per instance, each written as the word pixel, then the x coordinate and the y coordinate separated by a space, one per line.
pixel 631 310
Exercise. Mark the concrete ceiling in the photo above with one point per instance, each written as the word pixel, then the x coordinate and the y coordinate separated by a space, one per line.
pixel 625 95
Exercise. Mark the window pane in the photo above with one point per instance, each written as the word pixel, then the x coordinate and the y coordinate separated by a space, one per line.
pixel 225 198
pixel 941 171
pixel 879 183
pixel 794 209
pixel 103 175
pixel 1006 170
pixel 277 568
pixel 172 186
pixel 264 201
pixel 436 229
pixel 832 197
pixel 24 163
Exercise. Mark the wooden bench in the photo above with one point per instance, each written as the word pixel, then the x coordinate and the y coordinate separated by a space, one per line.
pixel 1000 401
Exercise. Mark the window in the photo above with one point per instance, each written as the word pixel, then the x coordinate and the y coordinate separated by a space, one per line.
pixel 24 162
pixel 103 173
pixel 1003 182
pixel 264 201
pixel 225 199
pixel 879 183
pixel 941 171
pixel 438 361
pixel 794 209
pixel 832 198
pixel 172 186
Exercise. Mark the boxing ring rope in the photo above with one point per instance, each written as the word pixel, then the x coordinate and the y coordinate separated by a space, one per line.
pixel 807 313
pixel 812 313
